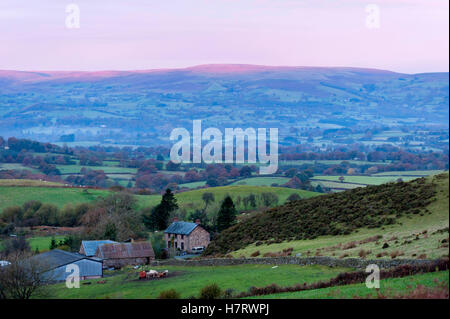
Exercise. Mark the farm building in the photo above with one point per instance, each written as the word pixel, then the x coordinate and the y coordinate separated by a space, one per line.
pixel 121 254
pixel 185 236
pixel 89 247
pixel 55 262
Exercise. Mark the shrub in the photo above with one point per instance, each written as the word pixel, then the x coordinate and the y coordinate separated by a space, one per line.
pixel 255 254
pixel 212 291
pixel 169 294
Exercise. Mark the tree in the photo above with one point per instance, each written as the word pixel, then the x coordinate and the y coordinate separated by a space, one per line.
pixel 207 198
pixel 227 214
pixel 293 197
pixel 17 245
pixel 159 216
pixel 24 277
pixel 245 171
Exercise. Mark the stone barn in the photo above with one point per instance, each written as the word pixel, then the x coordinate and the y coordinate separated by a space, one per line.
pixel 184 236
pixel 123 254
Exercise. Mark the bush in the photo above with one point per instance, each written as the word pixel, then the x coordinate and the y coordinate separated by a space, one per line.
pixel 169 294
pixel 255 254
pixel 212 291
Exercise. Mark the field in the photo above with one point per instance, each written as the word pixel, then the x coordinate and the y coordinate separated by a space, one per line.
pixel 28 182
pixel 16 196
pixel 416 235
pixel 42 243
pixel 262 181
pixel 364 180
pixel 189 280
pixel 353 181
pixel 390 287
pixel 75 169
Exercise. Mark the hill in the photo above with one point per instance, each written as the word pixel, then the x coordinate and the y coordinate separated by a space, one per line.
pixel 119 107
pixel 412 218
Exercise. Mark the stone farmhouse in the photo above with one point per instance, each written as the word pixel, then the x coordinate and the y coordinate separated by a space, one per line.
pixel 184 236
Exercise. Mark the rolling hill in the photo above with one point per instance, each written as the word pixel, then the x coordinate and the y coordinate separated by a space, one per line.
pixel 120 106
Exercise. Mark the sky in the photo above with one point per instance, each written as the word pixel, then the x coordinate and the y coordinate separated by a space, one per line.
pixel 409 36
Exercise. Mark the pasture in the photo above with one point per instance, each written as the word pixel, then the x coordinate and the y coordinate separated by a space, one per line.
pixel 189 280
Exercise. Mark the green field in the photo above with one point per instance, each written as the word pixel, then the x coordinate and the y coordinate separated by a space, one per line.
pixel 12 166
pixel 390 287
pixel 408 173
pixel 42 243
pixel 400 237
pixel 16 196
pixel 193 184
pixel 75 169
pixel 365 180
pixel 262 181
pixel 188 281
pixel 28 182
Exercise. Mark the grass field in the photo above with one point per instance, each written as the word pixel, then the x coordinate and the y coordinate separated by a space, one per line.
pixel 28 182
pixel 42 243
pixel 16 196
pixel 400 237
pixel 188 281
pixel 75 169
pixel 12 166
pixel 390 287
pixel 408 173
pixel 366 180
pixel 262 181
pixel 193 184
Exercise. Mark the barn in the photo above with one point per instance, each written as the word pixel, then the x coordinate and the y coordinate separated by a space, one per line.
pixel 56 261
pixel 123 254
pixel 89 247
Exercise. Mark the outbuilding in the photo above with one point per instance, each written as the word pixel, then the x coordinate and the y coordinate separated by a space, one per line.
pixel 122 254
pixel 55 263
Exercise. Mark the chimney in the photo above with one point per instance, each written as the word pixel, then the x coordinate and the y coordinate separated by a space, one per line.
pixel 175 219
pixel 197 221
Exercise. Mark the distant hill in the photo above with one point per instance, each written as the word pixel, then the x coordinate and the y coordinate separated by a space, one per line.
pixel 139 107
pixel 341 214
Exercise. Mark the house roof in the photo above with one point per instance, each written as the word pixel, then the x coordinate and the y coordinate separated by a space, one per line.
pixel 56 258
pixel 181 228
pixel 90 246
pixel 125 250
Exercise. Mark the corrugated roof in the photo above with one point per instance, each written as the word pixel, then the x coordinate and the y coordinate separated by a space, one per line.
pixel 56 258
pixel 90 246
pixel 125 250
pixel 181 228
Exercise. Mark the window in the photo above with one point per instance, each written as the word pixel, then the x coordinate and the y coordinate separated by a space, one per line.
pixel 182 246
pixel 182 236
pixel 168 244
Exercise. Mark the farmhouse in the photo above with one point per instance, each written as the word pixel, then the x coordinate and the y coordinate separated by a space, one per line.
pixel 118 255
pixel 184 235
pixel 55 262
pixel 89 247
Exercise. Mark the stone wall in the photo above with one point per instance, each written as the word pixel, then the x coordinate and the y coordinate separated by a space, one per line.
pixel 301 261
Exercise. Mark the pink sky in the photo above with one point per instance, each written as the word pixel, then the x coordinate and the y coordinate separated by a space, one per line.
pixel 146 34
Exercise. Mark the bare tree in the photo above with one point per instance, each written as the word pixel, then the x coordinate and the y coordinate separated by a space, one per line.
pixel 25 276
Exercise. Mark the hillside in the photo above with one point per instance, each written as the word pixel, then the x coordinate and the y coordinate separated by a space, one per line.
pixel 411 216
